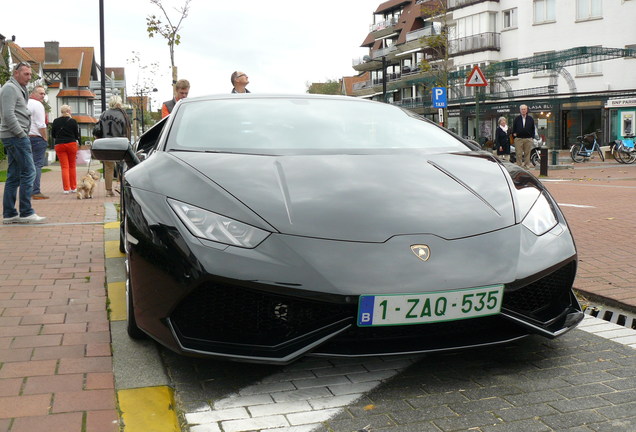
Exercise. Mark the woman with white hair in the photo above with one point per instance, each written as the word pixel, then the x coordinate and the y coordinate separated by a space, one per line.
pixel 502 139
pixel 112 123
pixel 65 131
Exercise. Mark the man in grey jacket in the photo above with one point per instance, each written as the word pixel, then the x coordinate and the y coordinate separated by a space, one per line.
pixel 15 120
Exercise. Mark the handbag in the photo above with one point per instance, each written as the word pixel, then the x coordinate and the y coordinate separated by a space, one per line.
pixel 97 130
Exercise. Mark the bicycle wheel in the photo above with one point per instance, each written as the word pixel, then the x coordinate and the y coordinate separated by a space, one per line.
pixel 615 154
pixel 576 154
pixel 625 156
pixel 600 152
pixel 535 158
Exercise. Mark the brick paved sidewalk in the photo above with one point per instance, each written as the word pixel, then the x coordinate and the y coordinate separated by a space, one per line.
pixel 599 202
pixel 56 370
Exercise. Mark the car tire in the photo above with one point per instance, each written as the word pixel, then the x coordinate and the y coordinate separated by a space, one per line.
pixel 131 322
pixel 122 216
pixel 122 244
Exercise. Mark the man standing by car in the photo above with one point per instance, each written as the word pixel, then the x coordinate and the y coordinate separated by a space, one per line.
pixel 182 88
pixel 240 80
pixel 523 131
pixel 15 120
pixel 38 137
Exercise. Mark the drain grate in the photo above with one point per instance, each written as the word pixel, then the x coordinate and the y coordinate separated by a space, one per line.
pixel 615 316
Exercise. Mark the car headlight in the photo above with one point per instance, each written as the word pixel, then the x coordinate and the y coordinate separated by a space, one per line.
pixel 211 226
pixel 541 218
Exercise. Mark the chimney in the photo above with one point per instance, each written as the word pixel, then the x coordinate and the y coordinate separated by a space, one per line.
pixel 51 52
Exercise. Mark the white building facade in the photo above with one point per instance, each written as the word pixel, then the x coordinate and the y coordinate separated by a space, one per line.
pixel 572 62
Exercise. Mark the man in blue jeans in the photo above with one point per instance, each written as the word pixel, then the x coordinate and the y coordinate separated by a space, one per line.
pixel 15 120
pixel 38 137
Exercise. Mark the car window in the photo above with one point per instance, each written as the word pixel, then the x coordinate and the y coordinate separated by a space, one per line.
pixel 279 124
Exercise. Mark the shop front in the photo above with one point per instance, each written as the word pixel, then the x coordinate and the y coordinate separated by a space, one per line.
pixel 621 113
pixel 462 120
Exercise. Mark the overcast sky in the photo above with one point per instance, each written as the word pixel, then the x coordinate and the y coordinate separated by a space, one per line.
pixel 281 44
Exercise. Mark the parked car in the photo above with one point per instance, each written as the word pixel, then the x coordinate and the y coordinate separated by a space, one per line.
pixel 263 228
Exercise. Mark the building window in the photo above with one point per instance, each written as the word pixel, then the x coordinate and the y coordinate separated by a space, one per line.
pixel 475 24
pixel 511 68
pixel 586 69
pixel 588 9
pixel 510 18
pixel 544 11
pixel 546 71
pixel 631 47
pixel 71 79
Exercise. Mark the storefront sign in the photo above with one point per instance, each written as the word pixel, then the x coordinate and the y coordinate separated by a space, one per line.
pixel 619 103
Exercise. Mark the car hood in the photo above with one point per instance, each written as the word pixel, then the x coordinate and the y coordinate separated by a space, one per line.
pixel 368 198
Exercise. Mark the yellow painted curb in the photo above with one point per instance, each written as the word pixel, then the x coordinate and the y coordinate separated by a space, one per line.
pixel 111 225
pixel 117 300
pixel 111 249
pixel 148 409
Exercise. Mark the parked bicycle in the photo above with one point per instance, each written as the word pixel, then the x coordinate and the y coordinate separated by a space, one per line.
pixel 624 151
pixel 585 148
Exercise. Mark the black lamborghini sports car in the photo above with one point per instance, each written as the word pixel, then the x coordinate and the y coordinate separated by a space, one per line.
pixel 262 228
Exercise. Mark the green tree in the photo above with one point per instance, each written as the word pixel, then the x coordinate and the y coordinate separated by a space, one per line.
pixel 331 87
pixel 5 73
pixel 436 64
pixel 168 30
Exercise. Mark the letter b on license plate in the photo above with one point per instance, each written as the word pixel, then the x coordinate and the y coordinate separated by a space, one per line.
pixel 400 309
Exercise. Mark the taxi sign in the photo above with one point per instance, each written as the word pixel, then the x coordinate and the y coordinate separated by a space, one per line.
pixel 476 78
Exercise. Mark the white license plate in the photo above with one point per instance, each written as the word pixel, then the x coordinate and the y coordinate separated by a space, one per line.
pixel 400 309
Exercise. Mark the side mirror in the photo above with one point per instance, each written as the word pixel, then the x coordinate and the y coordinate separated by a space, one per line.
pixel 114 150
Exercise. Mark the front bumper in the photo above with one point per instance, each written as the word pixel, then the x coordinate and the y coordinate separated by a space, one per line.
pixel 262 326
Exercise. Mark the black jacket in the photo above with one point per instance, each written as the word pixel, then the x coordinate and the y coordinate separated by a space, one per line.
pixel 519 131
pixel 65 130
pixel 502 140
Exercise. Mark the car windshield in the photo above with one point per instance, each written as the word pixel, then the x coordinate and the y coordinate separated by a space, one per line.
pixel 300 125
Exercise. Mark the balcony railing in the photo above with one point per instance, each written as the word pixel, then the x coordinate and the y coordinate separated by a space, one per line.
pixel 416 102
pixel 475 43
pixel 383 24
pixel 383 51
pixel 455 4
pixel 424 32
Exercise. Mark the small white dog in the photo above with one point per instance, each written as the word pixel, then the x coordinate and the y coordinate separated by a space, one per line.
pixel 87 184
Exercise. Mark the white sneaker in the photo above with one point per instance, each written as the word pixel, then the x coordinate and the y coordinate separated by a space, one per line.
pixel 10 220
pixel 33 219
pixel 67 192
pixel 74 191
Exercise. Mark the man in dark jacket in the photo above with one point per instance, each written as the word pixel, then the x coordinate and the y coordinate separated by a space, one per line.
pixel 523 131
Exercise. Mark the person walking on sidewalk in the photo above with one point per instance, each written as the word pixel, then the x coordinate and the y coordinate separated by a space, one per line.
pixel 66 133
pixel 113 123
pixel 38 137
pixel 523 131
pixel 15 121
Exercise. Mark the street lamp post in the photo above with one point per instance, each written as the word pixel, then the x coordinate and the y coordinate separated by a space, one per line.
pixel 140 93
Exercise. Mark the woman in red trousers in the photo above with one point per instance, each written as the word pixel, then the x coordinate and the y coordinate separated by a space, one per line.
pixel 67 135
